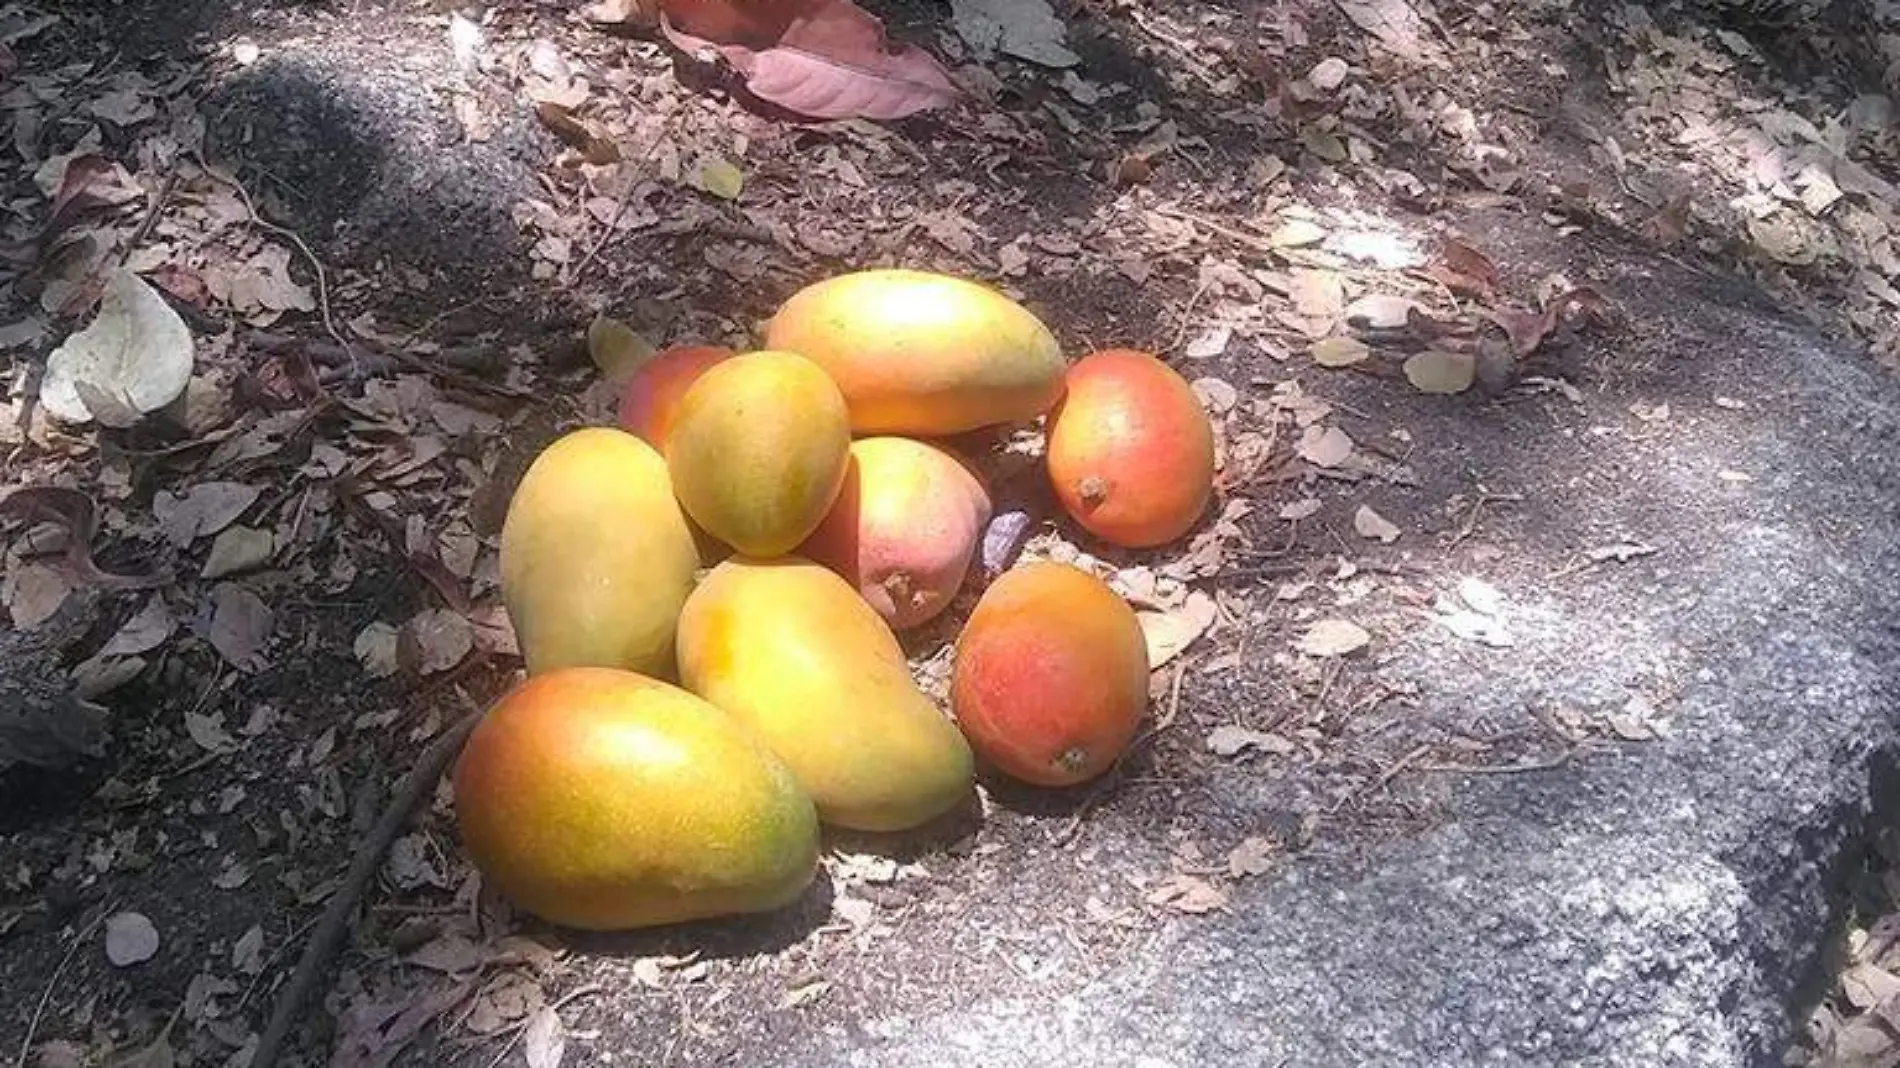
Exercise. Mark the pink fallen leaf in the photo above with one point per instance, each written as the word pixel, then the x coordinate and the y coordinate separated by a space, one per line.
pixel 829 60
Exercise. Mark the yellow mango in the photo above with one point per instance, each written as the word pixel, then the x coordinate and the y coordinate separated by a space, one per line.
pixel 596 556
pixel 758 450
pixel 921 354
pixel 601 799
pixel 792 650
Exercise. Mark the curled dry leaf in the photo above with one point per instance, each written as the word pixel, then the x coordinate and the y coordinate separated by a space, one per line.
pixel 577 135
pixel 1253 856
pixel 76 512
pixel 1465 270
pixel 1188 893
pixel 131 939
pixel 1170 633
pixel 1371 525
pixel 1228 740
pixel 1383 312
pixel 823 59
pixel 134 357
pixel 1528 330
pixel 1333 637
pixel 1443 373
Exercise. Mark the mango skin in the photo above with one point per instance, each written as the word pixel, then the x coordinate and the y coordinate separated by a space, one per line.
pixel 1050 678
pixel 904 528
pixel 596 556
pixel 599 799
pixel 758 450
pixel 921 354
pixel 1130 450
pixel 651 396
pixel 791 650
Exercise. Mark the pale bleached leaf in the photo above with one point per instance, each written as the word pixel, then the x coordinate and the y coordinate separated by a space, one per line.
pixel 131 938
pixel 1373 526
pixel 134 357
pixel 1170 633
pixel 1333 637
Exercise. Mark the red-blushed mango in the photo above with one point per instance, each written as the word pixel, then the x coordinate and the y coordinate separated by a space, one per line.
pixel 791 650
pixel 596 556
pixel 601 799
pixel 758 450
pixel 921 354
pixel 1130 450
pixel 653 392
pixel 1050 677
pixel 904 528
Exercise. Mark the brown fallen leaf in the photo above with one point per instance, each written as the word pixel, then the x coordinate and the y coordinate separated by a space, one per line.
pixel 1189 894
pixel 75 511
pixel 822 59
pixel 1528 330
pixel 578 136
pixel 1465 270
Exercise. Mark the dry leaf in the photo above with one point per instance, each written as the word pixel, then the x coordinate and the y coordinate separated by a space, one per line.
pixel 1339 351
pixel 719 176
pixel 1253 856
pixel 1025 29
pixel 434 641
pixel 1333 637
pixel 33 594
pixel 145 631
pixel 1317 294
pixel 616 348
pixel 544 1041
pixel 577 135
pixel 1304 508
pixel 823 59
pixel 802 993
pixel 240 626
pixel 236 549
pixel 1370 524
pixel 1228 740
pixel 1394 23
pixel 130 939
pixel 1170 633
pixel 1189 894
pixel 1297 233
pixel 135 357
pixel 1441 372
pixel 1383 312
pixel 1324 446
pixel 1867 985
pixel 206 508
pixel 1328 74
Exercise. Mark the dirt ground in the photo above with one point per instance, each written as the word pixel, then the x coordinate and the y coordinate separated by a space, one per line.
pixel 1195 186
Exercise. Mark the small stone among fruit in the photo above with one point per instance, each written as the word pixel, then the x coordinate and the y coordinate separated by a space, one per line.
pixel 758 450
pixel 923 354
pixel 600 799
pixel 596 556
pixel 1131 451
pixel 1051 675
pixel 652 394
pixel 904 528
pixel 791 650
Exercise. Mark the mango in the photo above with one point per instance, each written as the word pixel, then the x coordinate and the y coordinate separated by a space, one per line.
pixel 652 393
pixel 758 450
pixel 600 799
pixel 904 528
pixel 596 556
pixel 1050 677
pixel 1130 450
pixel 791 650
pixel 921 354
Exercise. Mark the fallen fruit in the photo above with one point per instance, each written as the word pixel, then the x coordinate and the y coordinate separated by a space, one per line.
pixel 1131 453
pixel 601 799
pixel 904 528
pixel 923 354
pixel 758 450
pixel 652 395
pixel 1051 675
pixel 596 556
pixel 790 649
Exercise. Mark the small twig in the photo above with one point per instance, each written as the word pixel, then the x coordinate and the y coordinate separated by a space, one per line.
pixel 1187 317
pixel 46 995
pixel 152 214
pixel 264 969
pixel 316 265
pixel 1552 764
pixel 1253 241
pixel 606 232
pixel 322 948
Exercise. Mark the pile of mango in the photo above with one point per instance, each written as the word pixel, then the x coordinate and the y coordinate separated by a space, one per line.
pixel 682 734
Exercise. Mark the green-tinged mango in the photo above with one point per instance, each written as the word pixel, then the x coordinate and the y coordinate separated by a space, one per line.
pixel 600 799
pixel 596 556
pixel 792 650
pixel 758 449
pixel 921 354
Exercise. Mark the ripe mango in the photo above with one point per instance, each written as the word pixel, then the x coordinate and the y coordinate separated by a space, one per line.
pixel 904 528
pixel 790 649
pixel 596 556
pixel 600 799
pixel 1051 675
pixel 758 450
pixel 1130 450
pixel 652 393
pixel 922 354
